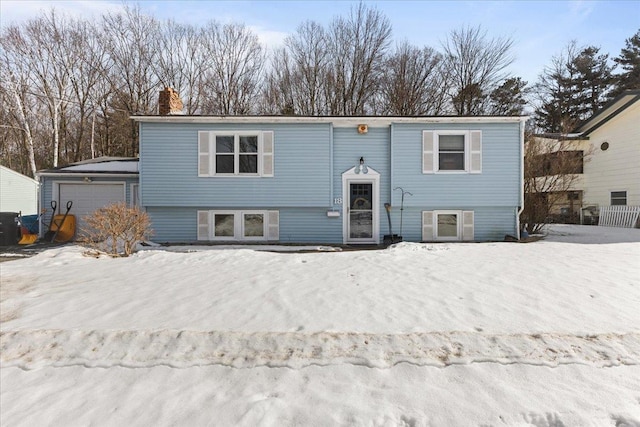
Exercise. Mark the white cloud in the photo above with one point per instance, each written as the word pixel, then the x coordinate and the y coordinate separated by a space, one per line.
pixel 17 12
pixel 269 38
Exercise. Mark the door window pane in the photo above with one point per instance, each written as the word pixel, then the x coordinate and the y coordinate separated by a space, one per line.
pixel 224 225
pixel 360 197
pixel 447 225
pixel 253 225
pixel 361 225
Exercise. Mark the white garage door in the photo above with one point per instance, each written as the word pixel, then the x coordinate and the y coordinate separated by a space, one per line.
pixel 87 198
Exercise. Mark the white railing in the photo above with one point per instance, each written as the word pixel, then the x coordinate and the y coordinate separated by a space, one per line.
pixel 619 216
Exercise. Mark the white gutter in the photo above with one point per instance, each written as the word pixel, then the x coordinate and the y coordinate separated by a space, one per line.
pixel 337 121
pixel 94 174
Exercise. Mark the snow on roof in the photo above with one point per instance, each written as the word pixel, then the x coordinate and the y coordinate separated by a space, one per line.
pixel 110 166
pixel 98 165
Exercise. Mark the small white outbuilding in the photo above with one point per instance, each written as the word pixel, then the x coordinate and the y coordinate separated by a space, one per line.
pixel 18 193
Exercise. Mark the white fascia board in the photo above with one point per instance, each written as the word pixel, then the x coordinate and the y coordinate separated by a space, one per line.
pixel 336 121
pixel 83 174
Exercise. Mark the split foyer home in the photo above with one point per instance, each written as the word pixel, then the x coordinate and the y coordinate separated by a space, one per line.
pixel 327 179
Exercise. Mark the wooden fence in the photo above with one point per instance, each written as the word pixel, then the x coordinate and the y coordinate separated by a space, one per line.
pixel 619 216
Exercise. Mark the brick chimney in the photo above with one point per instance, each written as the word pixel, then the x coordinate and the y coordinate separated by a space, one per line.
pixel 169 102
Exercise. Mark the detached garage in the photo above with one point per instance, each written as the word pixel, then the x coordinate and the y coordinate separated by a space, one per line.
pixel 88 185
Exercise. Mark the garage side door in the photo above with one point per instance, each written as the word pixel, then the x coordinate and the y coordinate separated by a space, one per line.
pixel 87 198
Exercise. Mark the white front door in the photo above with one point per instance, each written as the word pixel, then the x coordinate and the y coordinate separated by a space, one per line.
pixel 361 207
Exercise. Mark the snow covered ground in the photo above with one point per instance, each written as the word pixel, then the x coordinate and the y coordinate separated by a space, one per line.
pixel 538 334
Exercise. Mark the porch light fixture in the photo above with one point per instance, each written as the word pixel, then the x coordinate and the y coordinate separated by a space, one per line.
pixel 363 128
pixel 361 168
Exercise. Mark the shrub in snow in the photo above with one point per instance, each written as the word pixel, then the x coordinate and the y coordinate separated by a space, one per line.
pixel 116 229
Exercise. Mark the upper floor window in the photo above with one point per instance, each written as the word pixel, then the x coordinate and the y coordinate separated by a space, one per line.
pixel 618 198
pixel 235 153
pixel 451 152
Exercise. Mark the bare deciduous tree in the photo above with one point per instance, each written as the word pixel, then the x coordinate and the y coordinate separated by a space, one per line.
pixel 128 39
pixel 476 65
pixel 412 82
pixel 552 167
pixel 180 62
pixel 357 45
pixel 233 70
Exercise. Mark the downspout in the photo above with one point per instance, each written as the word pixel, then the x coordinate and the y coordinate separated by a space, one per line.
pixel 522 126
pixel 40 205
pixel 391 185
pixel 331 161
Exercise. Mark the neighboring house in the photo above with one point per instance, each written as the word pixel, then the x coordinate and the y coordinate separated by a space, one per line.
pixel 610 173
pixel 89 185
pixel 326 179
pixel 18 193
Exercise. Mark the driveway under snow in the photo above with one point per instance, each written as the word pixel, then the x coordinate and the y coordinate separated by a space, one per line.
pixel 542 334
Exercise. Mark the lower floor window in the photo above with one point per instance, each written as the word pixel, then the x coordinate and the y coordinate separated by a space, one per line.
pixel 238 225
pixel 618 198
pixel 447 225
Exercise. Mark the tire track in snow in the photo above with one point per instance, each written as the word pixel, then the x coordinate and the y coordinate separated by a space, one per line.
pixel 30 349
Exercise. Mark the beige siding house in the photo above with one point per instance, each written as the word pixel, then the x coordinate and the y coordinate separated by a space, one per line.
pixel 612 174
pixel 18 193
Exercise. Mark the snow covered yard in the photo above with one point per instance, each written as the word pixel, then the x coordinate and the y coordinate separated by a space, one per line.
pixel 538 334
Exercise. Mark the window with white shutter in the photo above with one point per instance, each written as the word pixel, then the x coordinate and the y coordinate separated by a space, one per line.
pixel 427 225
pixel 273 225
pixel 427 151
pixel 267 154
pixel 235 153
pixel 204 153
pixel 448 151
pixel 448 225
pixel 467 225
pixel 245 225
pixel 203 225
pixel 475 151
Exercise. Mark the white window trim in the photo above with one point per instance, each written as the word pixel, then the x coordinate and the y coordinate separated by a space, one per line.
pixel 436 151
pixel 626 197
pixel 431 152
pixel 464 231
pixel 351 177
pixel 238 225
pixel 211 155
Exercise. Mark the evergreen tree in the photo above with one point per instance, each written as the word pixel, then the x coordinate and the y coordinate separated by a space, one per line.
pixel 629 61
pixel 508 99
pixel 573 88
pixel 592 81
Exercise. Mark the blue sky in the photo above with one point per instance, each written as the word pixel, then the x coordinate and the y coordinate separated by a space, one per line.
pixel 540 29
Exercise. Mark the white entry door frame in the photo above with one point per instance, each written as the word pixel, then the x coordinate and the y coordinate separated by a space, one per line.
pixel 361 206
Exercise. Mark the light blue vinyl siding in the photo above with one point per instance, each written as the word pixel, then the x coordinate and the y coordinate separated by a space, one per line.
pixel 169 168
pixel 498 184
pixel 297 225
pixel 490 223
pixel 373 146
pixel 309 161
